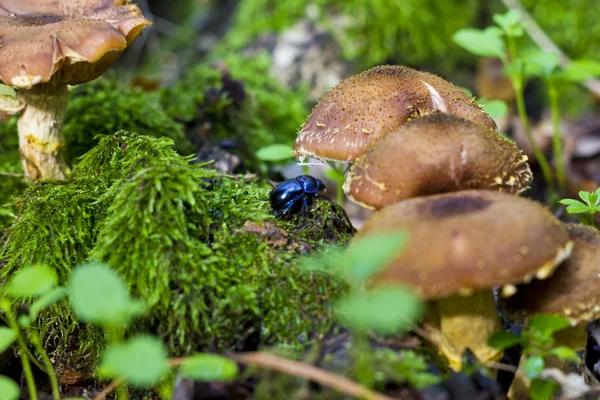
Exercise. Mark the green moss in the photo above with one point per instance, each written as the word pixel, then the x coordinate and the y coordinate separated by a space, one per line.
pixel 247 107
pixel 106 106
pixel 372 32
pixel 180 235
pixel 124 153
pixel 12 180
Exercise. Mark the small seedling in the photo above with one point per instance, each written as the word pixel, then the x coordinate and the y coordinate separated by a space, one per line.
pixel 538 343
pixel 100 296
pixel 501 41
pixel 387 310
pixel 38 285
pixel 590 204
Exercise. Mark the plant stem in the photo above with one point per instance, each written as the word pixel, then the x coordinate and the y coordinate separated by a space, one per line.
pixel 592 222
pixel 35 339
pixel 12 323
pixel 557 144
pixel 517 82
pixel 115 335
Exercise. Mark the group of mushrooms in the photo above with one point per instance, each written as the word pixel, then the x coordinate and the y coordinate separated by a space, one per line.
pixel 426 156
pixel 45 46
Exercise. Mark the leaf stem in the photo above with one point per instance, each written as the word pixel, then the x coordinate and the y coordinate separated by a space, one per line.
pixel 35 340
pixel 115 335
pixel 557 135
pixel 12 323
pixel 517 82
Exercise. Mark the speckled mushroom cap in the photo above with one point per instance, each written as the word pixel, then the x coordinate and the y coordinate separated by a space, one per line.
pixel 573 291
pixel 73 41
pixel 470 240
pixel 365 107
pixel 437 153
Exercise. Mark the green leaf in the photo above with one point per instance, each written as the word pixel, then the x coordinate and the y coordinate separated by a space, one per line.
pixel 534 366
pixel 547 324
pixel 7 337
pixel 362 259
pixel 100 296
pixel 503 340
pixel 32 280
pixel 538 63
pixel 542 389
pixel 370 253
pixel 24 321
pixel 575 206
pixel 478 42
pixel 209 368
pixel 275 152
pixel 510 22
pixel 141 361
pixel 565 353
pixel 7 91
pixel 9 390
pixel 47 300
pixel 496 108
pixel 387 310
pixel 585 196
pixel 581 70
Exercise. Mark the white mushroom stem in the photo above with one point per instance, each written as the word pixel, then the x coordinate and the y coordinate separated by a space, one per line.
pixel 41 140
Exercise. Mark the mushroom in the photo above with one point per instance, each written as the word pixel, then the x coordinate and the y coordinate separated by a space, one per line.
pixel 434 154
pixel 573 292
pixel 460 245
pixel 363 108
pixel 47 45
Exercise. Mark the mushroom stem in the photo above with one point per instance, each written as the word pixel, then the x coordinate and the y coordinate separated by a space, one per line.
pixel 41 140
pixel 468 321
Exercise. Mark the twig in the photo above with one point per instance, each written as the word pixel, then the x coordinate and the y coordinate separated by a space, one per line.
pixel 540 38
pixel 113 385
pixel 308 372
pixel 12 174
pixel 501 366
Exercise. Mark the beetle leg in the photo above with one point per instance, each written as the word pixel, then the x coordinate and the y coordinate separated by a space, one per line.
pixel 304 206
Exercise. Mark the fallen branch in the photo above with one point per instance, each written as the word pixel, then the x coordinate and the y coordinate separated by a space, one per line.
pixel 308 372
pixel 106 391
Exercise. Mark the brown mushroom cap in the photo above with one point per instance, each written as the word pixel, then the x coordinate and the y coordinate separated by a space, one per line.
pixel 367 106
pixel 470 240
pixel 434 154
pixel 573 291
pixel 73 41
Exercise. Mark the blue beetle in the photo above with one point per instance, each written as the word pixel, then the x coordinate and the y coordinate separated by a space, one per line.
pixel 294 195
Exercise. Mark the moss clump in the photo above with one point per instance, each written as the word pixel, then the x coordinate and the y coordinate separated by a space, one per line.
pixel 235 100
pixel 105 106
pixel 12 180
pixel 180 236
